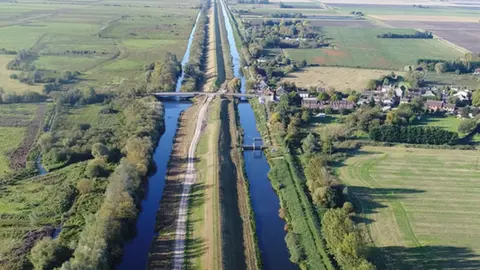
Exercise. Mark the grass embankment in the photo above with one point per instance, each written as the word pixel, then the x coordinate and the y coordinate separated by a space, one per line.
pixel 211 51
pixel 221 74
pixel 419 205
pixel 204 242
pixel 302 217
pixel 161 252
pixel 227 59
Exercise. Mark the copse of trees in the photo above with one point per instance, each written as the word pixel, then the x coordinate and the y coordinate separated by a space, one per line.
pixel 279 14
pixel 162 75
pixel 417 34
pixel 25 97
pixel 457 66
pixel 413 135
pixel 344 240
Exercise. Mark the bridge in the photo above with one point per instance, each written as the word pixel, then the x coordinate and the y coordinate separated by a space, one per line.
pixel 256 145
pixel 187 95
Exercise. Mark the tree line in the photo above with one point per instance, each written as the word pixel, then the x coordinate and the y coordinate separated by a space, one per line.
pixel 194 70
pixel 457 66
pixel 417 34
pixel 413 134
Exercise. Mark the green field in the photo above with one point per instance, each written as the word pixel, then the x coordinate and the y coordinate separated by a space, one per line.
pixel 10 139
pixel 453 80
pixel 359 47
pixel 419 206
pixel 120 37
pixel 450 123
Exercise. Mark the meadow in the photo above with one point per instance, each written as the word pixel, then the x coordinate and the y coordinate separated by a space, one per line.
pixel 417 205
pixel 359 47
pixel 337 77
pixel 109 43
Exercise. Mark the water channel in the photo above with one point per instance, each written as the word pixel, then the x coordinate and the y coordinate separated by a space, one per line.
pixel 136 251
pixel 265 203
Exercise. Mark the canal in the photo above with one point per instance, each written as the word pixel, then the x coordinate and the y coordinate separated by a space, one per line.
pixel 265 203
pixel 136 251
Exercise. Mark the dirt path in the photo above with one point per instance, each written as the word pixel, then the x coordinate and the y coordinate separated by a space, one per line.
pixel 190 179
pixel 161 252
pixel 211 69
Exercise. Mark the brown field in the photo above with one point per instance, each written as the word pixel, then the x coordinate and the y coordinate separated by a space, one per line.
pixel 339 78
pixel 11 85
pixel 421 18
pixel 400 2
pixel 464 34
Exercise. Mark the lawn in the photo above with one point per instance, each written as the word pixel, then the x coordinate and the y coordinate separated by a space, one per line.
pixel 419 206
pixel 337 77
pixel 450 123
pixel 359 47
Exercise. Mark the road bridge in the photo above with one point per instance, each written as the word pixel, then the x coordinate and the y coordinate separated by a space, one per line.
pixel 187 95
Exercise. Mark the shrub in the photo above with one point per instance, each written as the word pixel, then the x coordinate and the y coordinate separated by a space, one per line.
pixel 49 254
pixel 95 168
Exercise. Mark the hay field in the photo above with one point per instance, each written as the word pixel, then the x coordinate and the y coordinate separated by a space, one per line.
pixel 337 77
pixel 419 205
pixel 359 47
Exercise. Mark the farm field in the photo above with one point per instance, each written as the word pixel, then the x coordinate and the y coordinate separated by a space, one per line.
pixel 464 34
pixel 337 77
pixel 359 47
pixel 109 43
pixel 418 205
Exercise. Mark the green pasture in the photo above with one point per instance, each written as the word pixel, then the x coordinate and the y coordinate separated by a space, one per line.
pixel 450 123
pixel 454 80
pixel 359 47
pixel 418 205
pixel 10 139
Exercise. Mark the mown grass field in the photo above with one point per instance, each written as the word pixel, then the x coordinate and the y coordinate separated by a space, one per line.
pixel 337 77
pixel 450 123
pixel 418 205
pixel 121 37
pixel 359 47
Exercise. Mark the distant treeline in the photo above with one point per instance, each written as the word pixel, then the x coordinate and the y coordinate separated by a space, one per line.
pixel 457 66
pixel 26 97
pixel 194 69
pixel 5 51
pixel 417 34
pixel 413 134
pixel 286 15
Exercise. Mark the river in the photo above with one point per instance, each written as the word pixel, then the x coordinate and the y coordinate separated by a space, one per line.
pixel 136 251
pixel 265 203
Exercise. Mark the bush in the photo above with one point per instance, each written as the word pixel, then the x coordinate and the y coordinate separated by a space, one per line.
pixel 84 186
pixel 49 254
pixel 95 168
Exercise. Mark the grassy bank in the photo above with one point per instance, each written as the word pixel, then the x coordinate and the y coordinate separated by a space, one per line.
pixel 204 241
pixel 227 59
pixel 220 61
pixel 301 216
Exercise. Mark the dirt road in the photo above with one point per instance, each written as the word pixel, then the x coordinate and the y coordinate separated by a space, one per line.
pixel 190 178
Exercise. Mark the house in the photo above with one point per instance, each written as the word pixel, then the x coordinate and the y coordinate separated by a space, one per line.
pixel 311 103
pixel 462 95
pixel 477 71
pixel 342 104
pixel 303 94
pixel 429 94
pixel 268 95
pixel 435 105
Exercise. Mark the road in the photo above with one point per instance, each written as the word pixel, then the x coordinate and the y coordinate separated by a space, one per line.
pixel 190 179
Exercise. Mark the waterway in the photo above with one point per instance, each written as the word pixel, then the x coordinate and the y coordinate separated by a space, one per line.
pixel 136 251
pixel 265 203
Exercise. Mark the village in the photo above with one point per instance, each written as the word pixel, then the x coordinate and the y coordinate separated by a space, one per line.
pixel 454 101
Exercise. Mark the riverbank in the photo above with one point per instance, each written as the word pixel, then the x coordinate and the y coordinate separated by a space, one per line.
pixel 161 251
pixel 211 54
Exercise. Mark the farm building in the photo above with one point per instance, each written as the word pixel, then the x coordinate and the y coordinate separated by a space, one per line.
pixel 440 106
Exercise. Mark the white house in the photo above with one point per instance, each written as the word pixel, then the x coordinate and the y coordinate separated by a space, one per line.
pixel 303 94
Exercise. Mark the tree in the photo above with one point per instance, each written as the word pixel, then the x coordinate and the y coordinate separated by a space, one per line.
pixel 323 96
pixel 372 84
pixel 467 126
pixel 48 254
pixel 476 98
pixel 440 68
pixel 100 151
pixel 309 144
pixel 95 168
